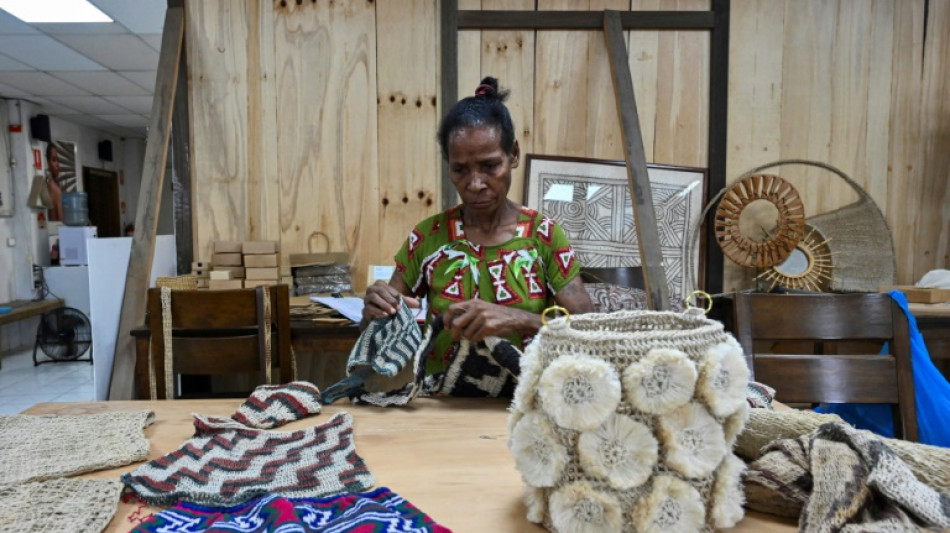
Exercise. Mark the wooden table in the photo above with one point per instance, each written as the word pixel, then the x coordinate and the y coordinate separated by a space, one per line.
pixel 445 455
pixel 25 309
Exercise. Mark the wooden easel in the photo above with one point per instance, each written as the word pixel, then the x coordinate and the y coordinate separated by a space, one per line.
pixel 150 198
pixel 613 23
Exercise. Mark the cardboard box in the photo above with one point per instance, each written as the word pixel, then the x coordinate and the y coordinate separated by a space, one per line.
pixel 226 247
pixel 251 283
pixel 261 260
pixel 259 247
pixel 225 284
pixel 237 272
pixel 920 295
pixel 271 273
pixel 220 274
pixel 228 259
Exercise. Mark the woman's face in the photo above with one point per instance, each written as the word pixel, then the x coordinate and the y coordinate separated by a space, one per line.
pixel 479 167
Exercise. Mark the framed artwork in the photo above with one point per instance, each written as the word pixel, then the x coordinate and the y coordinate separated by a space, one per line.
pixel 590 199
pixel 68 166
pixel 6 194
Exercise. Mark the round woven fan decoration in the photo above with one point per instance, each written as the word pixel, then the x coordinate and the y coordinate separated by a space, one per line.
pixel 807 268
pixel 780 242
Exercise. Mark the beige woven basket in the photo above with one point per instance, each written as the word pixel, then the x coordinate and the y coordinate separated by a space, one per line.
pixel 178 283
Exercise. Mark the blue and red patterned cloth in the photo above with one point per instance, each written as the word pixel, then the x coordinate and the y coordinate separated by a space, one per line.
pixel 380 510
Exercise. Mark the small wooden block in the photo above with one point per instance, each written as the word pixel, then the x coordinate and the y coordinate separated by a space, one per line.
pixel 226 247
pixel 259 247
pixel 261 260
pixel 203 283
pixel 225 284
pixel 920 295
pixel 237 272
pixel 270 273
pixel 200 265
pixel 228 259
pixel 220 274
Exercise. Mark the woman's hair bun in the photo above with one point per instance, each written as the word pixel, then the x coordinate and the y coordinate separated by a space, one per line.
pixel 488 88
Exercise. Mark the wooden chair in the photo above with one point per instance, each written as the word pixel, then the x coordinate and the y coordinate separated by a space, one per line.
pixel 623 276
pixel 221 332
pixel 831 323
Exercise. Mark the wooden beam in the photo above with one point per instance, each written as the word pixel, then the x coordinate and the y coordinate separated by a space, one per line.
pixel 449 91
pixel 718 129
pixel 648 237
pixel 181 162
pixel 583 20
pixel 150 197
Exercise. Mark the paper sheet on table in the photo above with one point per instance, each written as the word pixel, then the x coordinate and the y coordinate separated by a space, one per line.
pixel 352 307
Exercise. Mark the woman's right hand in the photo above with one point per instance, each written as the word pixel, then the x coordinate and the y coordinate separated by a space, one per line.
pixel 382 300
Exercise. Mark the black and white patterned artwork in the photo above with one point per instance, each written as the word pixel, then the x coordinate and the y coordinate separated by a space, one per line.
pixel 590 199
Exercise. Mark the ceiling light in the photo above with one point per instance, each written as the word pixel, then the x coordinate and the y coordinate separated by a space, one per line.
pixel 41 11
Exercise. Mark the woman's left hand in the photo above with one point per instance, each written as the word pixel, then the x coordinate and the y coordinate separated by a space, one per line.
pixel 477 319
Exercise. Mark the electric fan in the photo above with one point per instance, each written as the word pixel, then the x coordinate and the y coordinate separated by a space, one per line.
pixel 63 334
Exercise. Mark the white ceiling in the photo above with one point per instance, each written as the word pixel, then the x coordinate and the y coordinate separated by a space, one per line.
pixel 97 75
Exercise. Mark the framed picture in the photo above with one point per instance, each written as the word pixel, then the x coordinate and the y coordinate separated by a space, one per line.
pixel 6 194
pixel 590 199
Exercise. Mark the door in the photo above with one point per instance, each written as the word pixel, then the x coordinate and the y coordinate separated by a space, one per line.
pixel 102 191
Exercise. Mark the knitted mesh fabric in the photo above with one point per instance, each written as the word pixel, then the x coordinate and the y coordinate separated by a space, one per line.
pixel 227 463
pixel 74 505
pixel 48 446
pixel 270 406
pixel 625 422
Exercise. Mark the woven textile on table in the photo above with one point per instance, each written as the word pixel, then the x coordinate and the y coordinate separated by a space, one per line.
pixel 626 422
pixel 74 505
pixel 227 463
pixel 379 510
pixel 270 406
pixel 838 478
pixel 36 447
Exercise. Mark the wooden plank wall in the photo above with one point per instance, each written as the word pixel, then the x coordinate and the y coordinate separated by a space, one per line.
pixel 314 115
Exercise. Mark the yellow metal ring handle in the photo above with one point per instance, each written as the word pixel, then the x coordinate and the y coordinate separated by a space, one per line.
pixel 556 309
pixel 700 294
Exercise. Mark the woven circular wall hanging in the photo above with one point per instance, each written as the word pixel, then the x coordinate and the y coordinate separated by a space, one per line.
pixel 780 241
pixel 809 267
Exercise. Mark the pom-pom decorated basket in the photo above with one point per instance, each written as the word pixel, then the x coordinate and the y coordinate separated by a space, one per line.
pixel 626 422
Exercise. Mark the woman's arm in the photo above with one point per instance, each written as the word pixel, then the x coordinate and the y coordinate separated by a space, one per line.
pixel 382 299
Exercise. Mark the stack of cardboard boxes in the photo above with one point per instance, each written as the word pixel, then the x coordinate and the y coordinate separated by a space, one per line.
pixel 261 263
pixel 236 265
pixel 227 266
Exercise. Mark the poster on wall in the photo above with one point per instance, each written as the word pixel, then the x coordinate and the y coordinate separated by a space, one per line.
pixel 62 162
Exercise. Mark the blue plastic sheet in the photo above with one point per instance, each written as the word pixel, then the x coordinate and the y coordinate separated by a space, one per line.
pixel 931 389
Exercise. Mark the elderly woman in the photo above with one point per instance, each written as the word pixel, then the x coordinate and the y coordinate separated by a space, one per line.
pixel 489 266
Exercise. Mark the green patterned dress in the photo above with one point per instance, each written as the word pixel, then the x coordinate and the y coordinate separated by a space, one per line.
pixel 437 262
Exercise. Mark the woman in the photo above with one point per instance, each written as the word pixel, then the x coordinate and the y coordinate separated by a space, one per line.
pixel 489 266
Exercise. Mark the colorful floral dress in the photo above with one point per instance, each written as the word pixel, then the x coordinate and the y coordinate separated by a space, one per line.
pixel 439 263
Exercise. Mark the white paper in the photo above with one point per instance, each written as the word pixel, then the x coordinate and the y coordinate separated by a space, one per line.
pixel 352 307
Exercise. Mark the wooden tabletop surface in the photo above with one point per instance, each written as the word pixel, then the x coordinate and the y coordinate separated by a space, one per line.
pixel 445 455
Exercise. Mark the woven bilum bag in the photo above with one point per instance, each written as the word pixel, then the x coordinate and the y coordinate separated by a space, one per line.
pixel 626 422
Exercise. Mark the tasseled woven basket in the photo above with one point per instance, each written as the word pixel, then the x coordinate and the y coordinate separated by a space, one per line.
pixel 626 422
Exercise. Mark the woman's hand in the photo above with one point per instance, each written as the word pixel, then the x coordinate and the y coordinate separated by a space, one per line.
pixel 477 319
pixel 382 299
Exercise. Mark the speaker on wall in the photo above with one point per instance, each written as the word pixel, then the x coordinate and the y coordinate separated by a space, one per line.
pixel 39 128
pixel 105 150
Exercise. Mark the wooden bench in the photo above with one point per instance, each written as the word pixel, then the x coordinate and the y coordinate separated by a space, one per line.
pixel 25 309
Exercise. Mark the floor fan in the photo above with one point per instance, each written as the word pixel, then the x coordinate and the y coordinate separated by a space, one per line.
pixel 64 335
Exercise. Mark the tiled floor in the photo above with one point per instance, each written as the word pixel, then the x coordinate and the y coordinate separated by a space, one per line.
pixel 22 384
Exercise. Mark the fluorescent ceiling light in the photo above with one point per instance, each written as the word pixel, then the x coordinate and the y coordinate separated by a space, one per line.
pixel 34 11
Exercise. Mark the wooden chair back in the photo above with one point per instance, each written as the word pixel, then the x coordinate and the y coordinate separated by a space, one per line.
pixel 216 332
pixel 623 276
pixel 828 323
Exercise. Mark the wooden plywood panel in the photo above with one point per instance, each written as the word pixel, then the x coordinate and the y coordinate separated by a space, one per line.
pixel 325 65
pixel 905 153
pixel 409 174
pixel 933 237
pixel 216 36
pixel 469 56
pixel 642 52
pixel 560 110
pixel 806 97
pixel 879 76
pixel 509 56
pixel 604 136
pixel 682 106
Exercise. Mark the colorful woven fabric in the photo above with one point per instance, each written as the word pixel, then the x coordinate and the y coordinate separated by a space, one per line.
pixel 227 463
pixel 62 504
pixel 379 510
pixel 270 406
pixel 35 447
